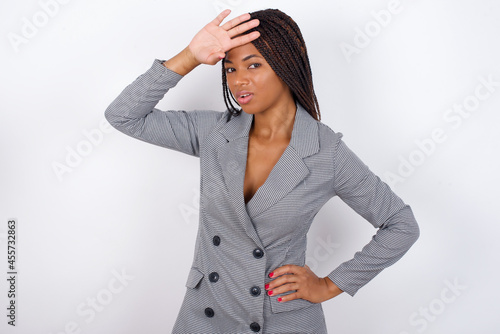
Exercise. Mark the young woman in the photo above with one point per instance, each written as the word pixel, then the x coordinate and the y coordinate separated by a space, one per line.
pixel 266 170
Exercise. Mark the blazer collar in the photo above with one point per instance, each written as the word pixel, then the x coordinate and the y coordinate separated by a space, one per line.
pixel 304 134
pixel 288 172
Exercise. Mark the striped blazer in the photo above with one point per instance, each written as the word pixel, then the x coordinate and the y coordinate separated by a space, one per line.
pixel 239 244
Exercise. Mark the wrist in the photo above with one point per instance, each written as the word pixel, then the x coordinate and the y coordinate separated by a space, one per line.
pixel 183 63
pixel 333 289
pixel 190 59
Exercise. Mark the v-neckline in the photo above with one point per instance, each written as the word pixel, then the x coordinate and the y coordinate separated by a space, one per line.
pixel 268 176
pixel 286 174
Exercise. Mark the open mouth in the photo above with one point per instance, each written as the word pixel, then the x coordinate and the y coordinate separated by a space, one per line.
pixel 245 98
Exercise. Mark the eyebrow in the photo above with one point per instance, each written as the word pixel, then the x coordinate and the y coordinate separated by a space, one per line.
pixel 244 59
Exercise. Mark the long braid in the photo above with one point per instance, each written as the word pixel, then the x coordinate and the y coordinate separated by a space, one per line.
pixel 282 45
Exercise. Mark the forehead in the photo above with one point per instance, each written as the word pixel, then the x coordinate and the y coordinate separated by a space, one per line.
pixel 242 51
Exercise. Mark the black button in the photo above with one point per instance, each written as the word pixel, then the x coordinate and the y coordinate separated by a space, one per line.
pixel 255 291
pixel 216 240
pixel 213 277
pixel 209 312
pixel 258 253
pixel 255 327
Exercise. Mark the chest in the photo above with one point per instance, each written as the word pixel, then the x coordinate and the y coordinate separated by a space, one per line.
pixel 273 191
pixel 261 159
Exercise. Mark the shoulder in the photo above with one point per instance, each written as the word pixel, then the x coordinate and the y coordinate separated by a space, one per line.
pixel 327 136
pixel 207 117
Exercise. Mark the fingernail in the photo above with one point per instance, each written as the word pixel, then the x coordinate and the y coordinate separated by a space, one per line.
pixel 279 299
pixel 270 293
pixel 266 286
pixel 271 275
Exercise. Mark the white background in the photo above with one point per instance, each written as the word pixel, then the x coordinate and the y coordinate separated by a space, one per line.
pixel 124 206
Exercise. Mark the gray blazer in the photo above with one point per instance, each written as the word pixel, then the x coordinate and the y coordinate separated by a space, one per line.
pixel 239 244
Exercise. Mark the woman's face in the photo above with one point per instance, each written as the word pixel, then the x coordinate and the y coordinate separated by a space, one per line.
pixel 253 82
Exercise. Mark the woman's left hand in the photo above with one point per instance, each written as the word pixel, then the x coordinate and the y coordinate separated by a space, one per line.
pixel 309 286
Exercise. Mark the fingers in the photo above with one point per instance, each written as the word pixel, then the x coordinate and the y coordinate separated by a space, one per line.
pixel 232 23
pixel 284 284
pixel 282 281
pixel 221 17
pixel 288 278
pixel 290 296
pixel 237 41
pixel 237 27
pixel 240 29
pixel 285 280
pixel 286 269
pixel 303 283
pixel 283 287
pixel 236 21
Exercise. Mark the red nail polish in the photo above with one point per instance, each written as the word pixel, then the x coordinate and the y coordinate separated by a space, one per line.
pixel 279 299
pixel 270 293
pixel 266 286
pixel 271 274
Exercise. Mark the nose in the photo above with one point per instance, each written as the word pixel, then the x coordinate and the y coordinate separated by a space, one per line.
pixel 240 78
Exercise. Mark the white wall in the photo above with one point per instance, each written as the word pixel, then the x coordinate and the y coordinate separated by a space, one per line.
pixel 123 207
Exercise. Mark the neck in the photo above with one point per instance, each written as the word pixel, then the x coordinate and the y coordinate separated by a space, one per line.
pixel 274 125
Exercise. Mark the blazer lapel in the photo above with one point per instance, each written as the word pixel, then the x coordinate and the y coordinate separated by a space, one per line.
pixel 288 172
pixel 232 158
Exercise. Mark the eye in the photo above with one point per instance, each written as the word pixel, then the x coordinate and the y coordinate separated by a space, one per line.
pixel 229 69
pixel 254 65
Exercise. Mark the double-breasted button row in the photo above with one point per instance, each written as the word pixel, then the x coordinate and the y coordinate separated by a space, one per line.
pixel 213 277
pixel 254 326
pixel 257 252
pixel 254 290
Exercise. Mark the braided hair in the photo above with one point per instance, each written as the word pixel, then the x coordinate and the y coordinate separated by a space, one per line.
pixel 281 44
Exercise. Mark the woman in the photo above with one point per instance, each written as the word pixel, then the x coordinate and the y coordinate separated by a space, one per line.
pixel 266 170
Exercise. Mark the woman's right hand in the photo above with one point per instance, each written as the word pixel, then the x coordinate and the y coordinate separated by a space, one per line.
pixel 209 45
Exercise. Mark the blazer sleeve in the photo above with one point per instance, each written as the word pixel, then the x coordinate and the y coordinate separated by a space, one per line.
pixel 133 112
pixel 373 199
